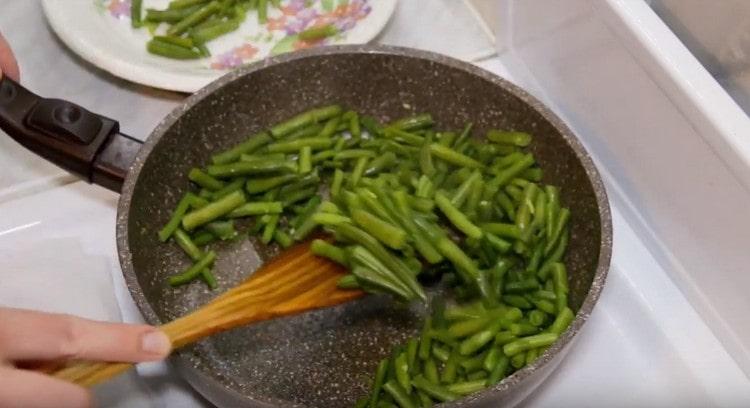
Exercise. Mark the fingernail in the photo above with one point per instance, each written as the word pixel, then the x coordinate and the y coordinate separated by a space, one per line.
pixel 156 342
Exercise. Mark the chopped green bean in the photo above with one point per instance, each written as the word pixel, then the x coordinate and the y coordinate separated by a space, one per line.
pixel 403 136
pixel 451 368
pixel 518 361
pixel 472 364
pixel 174 222
pixel 528 343
pixel 193 19
pixel 354 154
pixel 398 393
pixel 519 139
pixel 136 13
pixel 393 264
pixel 380 375
pixel 262 11
pixel 179 4
pixel 194 271
pixel 453 157
pixel 458 219
pixel 462 192
pixel 250 168
pixel 465 134
pixel 359 169
pixel 294 145
pixel 170 50
pixel 206 34
pixel 468 387
pixel 502 230
pixel 304 119
pixel 503 338
pixel 545 306
pixel 379 280
pixel 348 282
pixel 506 175
pixel 563 320
pixel 531 355
pixel 338 179
pixel 187 245
pixel 203 238
pixel 327 250
pixel 282 238
pixel 552 208
pixel 298 195
pixel 412 348
pixel 385 232
pixel 440 353
pixel 170 15
pixel 330 219
pixel 425 340
pixel 478 340
pixel 380 163
pixel 260 185
pixel 269 229
pixel 310 130
pixel 402 371
pixel 256 208
pixel 252 144
pixel 228 188
pixel 318 32
pixel 498 372
pixel 179 41
pixel 305 159
pixel 434 390
pixel 537 318
pixel 560 223
pixel 213 210
pixel 526 285
pixel 431 371
pixel 413 122
pixel 424 399
pixel 223 230
pixel 458 257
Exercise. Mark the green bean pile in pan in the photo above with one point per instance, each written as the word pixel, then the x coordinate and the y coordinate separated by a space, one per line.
pixel 405 204
pixel 193 23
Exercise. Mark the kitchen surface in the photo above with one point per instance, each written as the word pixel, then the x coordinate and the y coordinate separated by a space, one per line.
pixel 721 43
pixel 651 341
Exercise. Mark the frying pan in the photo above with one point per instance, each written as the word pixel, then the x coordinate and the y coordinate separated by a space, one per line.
pixel 324 358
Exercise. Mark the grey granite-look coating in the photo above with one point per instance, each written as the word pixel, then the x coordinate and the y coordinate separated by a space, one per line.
pixel 326 358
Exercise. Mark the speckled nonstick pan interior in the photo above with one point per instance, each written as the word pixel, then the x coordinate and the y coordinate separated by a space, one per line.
pixel 327 358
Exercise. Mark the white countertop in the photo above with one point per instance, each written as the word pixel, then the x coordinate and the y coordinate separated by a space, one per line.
pixel 643 346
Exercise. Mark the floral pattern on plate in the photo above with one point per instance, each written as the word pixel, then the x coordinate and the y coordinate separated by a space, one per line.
pixel 277 35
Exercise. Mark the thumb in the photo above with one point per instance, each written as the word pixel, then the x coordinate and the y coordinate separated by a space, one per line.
pixel 8 63
pixel 41 336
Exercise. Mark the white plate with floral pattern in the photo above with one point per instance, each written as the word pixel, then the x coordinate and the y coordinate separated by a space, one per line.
pixel 100 31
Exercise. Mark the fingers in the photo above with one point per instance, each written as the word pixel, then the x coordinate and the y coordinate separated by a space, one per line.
pixel 28 335
pixel 27 389
pixel 8 64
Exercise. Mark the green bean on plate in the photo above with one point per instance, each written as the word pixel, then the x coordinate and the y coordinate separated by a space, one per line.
pixel 182 30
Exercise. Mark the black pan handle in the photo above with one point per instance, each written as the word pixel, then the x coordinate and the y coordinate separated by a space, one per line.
pixel 81 142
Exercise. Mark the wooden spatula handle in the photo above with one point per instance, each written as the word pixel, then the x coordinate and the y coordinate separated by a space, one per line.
pixel 293 287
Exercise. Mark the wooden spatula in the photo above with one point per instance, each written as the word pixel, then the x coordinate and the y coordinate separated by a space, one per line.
pixel 296 281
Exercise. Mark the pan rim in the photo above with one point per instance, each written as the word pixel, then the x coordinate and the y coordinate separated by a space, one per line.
pixel 593 175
